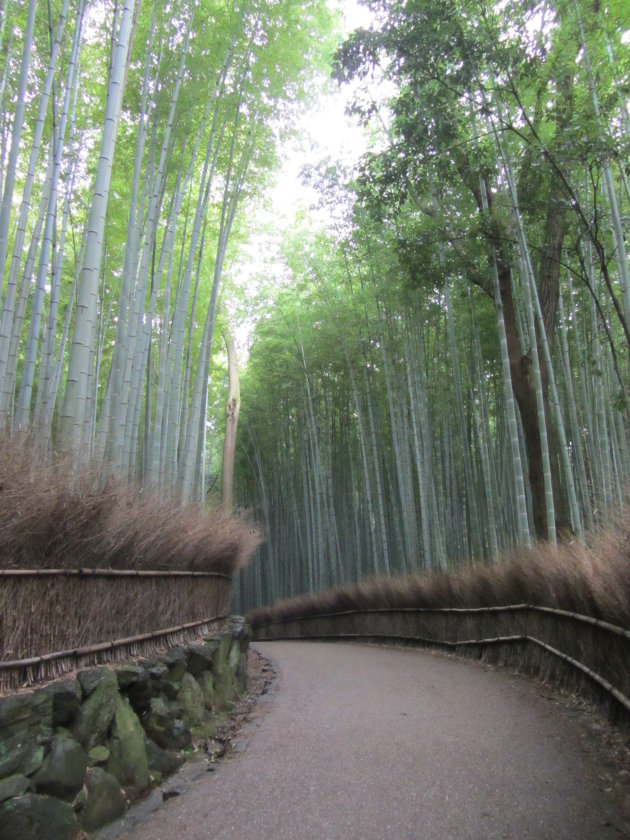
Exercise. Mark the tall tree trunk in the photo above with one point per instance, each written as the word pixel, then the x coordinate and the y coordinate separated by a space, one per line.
pixel 232 409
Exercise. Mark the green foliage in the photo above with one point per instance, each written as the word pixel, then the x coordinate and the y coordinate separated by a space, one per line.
pixel 376 392
pixel 209 88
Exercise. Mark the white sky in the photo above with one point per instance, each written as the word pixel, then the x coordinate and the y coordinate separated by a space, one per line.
pixel 324 131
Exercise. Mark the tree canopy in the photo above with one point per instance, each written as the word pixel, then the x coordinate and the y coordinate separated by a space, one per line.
pixel 133 136
pixel 444 372
pixel 468 383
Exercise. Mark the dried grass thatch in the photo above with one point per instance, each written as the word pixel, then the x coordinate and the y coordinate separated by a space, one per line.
pixel 50 518
pixel 558 612
pixel 592 579
pixel 54 523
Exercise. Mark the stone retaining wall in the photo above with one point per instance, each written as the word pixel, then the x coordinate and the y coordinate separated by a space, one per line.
pixel 75 753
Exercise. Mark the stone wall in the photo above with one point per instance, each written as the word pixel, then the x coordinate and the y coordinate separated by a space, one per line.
pixel 76 752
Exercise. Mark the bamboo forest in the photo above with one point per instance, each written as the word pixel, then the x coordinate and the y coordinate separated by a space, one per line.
pixel 434 359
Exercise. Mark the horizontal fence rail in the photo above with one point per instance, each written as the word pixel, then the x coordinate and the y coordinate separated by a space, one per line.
pixel 533 637
pixel 587 619
pixel 112 573
pixel 21 672
pixel 55 620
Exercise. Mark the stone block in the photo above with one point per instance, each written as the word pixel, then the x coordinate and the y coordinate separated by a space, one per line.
pixel 61 774
pixel 96 713
pixel 12 786
pixel 35 817
pixel 66 698
pixel 101 800
pixel 128 758
pixel 200 659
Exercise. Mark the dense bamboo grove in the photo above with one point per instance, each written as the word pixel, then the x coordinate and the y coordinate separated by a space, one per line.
pixel 132 134
pixel 448 375
pixel 445 375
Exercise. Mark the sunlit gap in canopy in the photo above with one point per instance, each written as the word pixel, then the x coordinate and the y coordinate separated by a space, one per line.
pixel 324 136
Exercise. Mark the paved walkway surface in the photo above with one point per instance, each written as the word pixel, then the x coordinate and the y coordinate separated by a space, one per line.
pixel 370 743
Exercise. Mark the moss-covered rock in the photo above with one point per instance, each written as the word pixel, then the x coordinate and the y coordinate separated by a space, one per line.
pixel 109 733
pixel 100 801
pixel 134 681
pixel 25 724
pixel 161 761
pixel 164 725
pixel 98 755
pixel 128 757
pixel 192 702
pixel 91 678
pixel 224 679
pixel 131 675
pixel 97 712
pixel 61 774
pixel 16 785
pixel 200 658
pixel 157 671
pixel 66 698
pixel 222 653
pixel 240 631
pixel 34 817
pixel 206 684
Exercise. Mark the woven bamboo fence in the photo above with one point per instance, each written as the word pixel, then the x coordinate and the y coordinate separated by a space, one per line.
pixel 579 651
pixel 54 620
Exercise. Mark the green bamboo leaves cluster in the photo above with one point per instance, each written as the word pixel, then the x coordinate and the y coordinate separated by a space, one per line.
pixel 467 353
pixel 131 136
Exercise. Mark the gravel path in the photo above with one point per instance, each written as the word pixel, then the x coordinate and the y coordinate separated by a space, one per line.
pixel 370 743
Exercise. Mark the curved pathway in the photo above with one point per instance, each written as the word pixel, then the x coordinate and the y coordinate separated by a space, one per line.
pixel 371 743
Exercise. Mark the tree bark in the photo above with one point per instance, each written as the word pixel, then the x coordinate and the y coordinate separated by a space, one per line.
pixel 232 409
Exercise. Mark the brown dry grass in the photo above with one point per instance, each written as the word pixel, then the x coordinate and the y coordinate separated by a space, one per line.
pixel 592 579
pixel 52 519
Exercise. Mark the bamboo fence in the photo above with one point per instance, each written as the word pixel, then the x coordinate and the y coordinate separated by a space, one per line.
pixel 565 647
pixel 54 620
